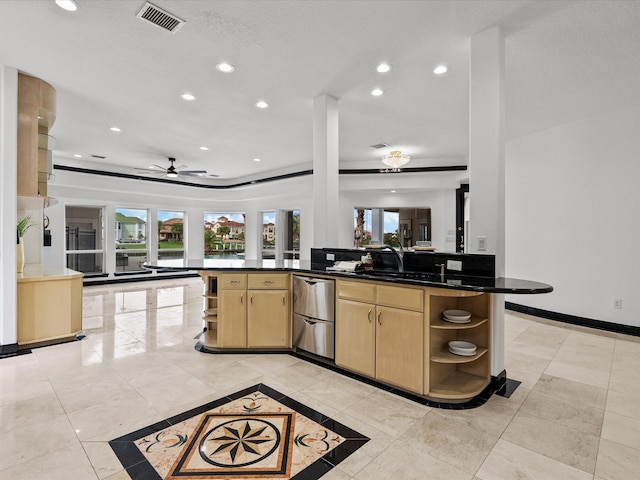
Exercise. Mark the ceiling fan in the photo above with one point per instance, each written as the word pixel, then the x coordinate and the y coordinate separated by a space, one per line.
pixel 173 172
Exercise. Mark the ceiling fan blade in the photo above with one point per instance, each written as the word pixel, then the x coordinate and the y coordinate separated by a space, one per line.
pixel 161 168
pixel 192 172
pixel 181 166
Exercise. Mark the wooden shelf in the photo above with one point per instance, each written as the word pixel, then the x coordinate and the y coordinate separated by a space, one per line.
pixel 459 385
pixel 445 356
pixel 211 312
pixel 210 296
pixel 210 337
pixel 475 321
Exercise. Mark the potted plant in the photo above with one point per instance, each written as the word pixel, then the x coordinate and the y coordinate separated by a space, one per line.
pixel 23 225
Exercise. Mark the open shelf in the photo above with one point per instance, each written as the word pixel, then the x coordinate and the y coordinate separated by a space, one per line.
pixel 445 356
pixel 459 385
pixel 210 336
pixel 451 376
pixel 475 322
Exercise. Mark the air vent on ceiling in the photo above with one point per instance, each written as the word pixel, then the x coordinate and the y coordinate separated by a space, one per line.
pixel 380 145
pixel 160 18
pixel 98 156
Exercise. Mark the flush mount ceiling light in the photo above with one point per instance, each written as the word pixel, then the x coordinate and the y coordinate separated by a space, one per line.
pixel 262 104
pixel 376 92
pixel 172 175
pixel 257 160
pixel 225 67
pixel 383 68
pixel 440 69
pixel 396 159
pixel 68 5
pixel 188 96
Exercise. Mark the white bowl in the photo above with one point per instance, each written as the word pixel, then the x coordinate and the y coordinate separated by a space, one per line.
pixel 451 320
pixel 457 314
pixel 462 348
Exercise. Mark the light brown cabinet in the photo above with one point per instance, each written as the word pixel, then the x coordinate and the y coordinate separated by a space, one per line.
pixel 268 319
pixel 49 304
pixel 246 310
pixel 381 339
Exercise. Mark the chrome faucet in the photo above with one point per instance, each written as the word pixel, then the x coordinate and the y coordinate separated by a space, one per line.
pixel 398 254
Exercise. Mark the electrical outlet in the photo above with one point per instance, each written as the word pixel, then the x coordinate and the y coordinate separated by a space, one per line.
pixel 454 265
pixel 617 303
pixel 482 244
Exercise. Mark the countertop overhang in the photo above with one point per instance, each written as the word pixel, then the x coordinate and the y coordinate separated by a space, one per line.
pixel 454 282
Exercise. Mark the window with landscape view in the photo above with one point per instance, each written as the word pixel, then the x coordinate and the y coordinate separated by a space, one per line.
pixel 171 233
pixel 268 234
pixel 131 239
pixel 224 235
pixel 375 226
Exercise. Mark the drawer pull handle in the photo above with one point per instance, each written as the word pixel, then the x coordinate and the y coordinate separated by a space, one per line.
pixel 268 282
pixel 283 302
pixel 379 319
pixel 309 322
pixel 251 299
pixel 234 282
pixel 369 316
pixel 241 299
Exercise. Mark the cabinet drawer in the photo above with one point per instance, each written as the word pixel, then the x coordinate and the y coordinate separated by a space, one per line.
pixel 232 281
pixel 268 281
pixel 401 297
pixel 361 291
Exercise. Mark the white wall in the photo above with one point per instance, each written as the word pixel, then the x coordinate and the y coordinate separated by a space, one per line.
pixel 571 216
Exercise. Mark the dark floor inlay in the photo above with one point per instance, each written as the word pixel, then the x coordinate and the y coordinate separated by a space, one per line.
pixel 255 433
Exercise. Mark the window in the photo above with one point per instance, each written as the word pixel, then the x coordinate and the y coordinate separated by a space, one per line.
pixel 170 235
pixel 131 240
pixel 292 244
pixel 268 234
pixel 84 239
pixel 376 226
pixel 224 235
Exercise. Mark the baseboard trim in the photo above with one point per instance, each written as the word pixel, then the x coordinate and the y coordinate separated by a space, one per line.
pixel 574 320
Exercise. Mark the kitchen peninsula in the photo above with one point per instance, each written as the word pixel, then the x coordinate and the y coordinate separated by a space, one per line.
pixel 389 323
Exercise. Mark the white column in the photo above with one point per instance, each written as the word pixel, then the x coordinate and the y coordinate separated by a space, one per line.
pixel 325 171
pixel 8 207
pixel 486 165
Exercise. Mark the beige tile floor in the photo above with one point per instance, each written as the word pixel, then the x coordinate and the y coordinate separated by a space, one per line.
pixel 575 416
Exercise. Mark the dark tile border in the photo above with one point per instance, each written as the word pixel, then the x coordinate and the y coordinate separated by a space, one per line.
pixel 139 468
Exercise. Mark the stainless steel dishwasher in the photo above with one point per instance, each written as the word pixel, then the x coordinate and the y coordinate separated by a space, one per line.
pixel 314 315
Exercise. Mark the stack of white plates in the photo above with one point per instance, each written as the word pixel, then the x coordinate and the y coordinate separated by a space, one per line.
pixel 456 316
pixel 466 349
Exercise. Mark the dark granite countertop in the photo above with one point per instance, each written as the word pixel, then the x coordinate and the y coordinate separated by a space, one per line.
pixel 454 282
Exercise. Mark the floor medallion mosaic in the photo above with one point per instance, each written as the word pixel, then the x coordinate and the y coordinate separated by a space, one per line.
pixel 255 433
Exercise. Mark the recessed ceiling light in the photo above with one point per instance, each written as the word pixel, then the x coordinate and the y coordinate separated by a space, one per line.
pixel 115 129
pixel 440 69
pixel 188 96
pixel 257 160
pixel 204 148
pixel 225 67
pixel 376 92
pixel 393 191
pixel 383 68
pixel 262 104
pixel 77 155
pixel 68 5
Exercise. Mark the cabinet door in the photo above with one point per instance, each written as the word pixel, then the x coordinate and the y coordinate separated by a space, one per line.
pixel 232 318
pixel 355 336
pixel 399 348
pixel 268 318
